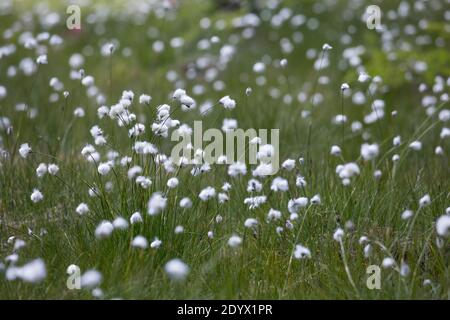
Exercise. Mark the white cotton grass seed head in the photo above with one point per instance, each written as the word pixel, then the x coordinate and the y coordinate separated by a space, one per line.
pixel 274 215
pixel 79 112
pixel 144 182
pixel 41 170
pixel 12 258
pixel 91 279
pixel 179 229
pixel 145 99
pixel 288 164
pixel 445 133
pixel 363 240
pixel 82 209
pixel 279 184
pixel 24 150
pixel 427 282
pixel 349 225
pixel 369 151
pixel 251 223
pixel 367 250
pixel 315 199
pixel 346 182
pixel 102 112
pixel 222 197
pixel 443 226
pixel 363 77
pixel 172 183
pixel 226 187
pixel 3 92
pixel 156 244
pixel 187 102
pixel 139 242
pixel 425 200
pixel 185 203
pixel 388 262
pixel 234 241
pixel 36 196
pixel 207 193
pixel 227 102
pixel 133 172
pixel 404 269
pixel 104 229
pixel 335 151
pixel 53 169
pixel 356 126
pixel 120 223
pixel 259 67
pixel 156 204
pixel 178 93
pixel 255 202
pixel 236 169
pixel 345 86
pixel 377 174
pixel 93 192
pixel 301 252
pixel 289 225
pixel 19 244
pixel 338 234
pixel 339 119
pixel 416 145
pixel 264 169
pixel 33 272
pixel 294 205
pixel 104 168
pixel 254 185
pixel 407 214
pixel 300 182
pixel 176 269
pixel 136 218
pixel 348 170
pixel 97 293
pixel 42 59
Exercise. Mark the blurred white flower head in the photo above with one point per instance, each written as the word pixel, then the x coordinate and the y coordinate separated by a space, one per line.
pixel 301 252
pixel 176 269
pixel 234 241
pixel 33 271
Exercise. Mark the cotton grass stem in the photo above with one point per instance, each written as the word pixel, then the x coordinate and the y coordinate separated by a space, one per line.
pixel 347 269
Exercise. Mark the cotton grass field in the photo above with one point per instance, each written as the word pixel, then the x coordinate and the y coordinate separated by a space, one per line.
pixel 93 205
